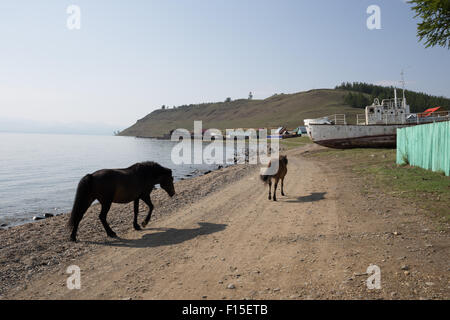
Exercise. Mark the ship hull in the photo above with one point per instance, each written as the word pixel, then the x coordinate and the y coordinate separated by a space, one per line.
pixel 384 141
pixel 354 136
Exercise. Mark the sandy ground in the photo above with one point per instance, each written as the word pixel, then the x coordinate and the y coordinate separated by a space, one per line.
pixel 231 242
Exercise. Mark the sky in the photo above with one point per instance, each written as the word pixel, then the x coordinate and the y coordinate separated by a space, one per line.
pixel 129 58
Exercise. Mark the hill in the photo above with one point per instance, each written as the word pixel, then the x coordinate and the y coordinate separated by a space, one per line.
pixel 287 110
pixel 278 110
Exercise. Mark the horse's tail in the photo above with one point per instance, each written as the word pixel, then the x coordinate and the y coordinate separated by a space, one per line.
pixel 82 201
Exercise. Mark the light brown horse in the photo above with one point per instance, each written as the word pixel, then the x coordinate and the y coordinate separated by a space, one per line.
pixel 282 170
pixel 120 186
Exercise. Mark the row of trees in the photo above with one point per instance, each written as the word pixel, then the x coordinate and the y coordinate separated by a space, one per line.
pixel 227 100
pixel 362 94
pixel 357 100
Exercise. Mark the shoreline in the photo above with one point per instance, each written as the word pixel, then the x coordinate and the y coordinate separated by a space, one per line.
pixel 9 221
pixel 45 214
pixel 31 248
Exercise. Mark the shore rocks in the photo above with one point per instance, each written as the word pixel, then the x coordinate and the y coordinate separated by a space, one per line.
pixel 46 215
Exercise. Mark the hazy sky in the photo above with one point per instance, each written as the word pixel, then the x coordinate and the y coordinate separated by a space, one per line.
pixel 130 57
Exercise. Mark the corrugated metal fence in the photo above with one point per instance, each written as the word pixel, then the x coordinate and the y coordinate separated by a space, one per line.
pixel 426 146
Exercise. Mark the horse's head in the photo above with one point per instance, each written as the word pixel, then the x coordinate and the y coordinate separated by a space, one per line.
pixel 166 182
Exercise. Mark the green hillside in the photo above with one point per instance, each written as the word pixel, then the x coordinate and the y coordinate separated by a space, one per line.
pixel 287 110
pixel 279 110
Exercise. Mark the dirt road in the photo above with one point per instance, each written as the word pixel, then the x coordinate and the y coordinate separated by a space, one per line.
pixel 315 243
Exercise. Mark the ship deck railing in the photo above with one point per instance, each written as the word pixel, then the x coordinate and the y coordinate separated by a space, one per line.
pixel 437 116
pixel 361 119
pixel 337 119
pixel 392 103
pixel 332 119
pixel 411 118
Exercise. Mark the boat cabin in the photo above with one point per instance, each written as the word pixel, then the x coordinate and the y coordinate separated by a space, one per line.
pixel 389 111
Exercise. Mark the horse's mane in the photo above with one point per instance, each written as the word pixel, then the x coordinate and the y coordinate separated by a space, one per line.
pixel 150 167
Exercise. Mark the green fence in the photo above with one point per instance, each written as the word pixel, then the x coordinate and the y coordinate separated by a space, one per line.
pixel 426 146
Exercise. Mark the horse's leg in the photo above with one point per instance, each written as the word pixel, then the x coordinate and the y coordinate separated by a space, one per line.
pixel 105 208
pixel 73 235
pixel 282 186
pixel 270 187
pixel 136 212
pixel 77 220
pixel 148 202
pixel 275 189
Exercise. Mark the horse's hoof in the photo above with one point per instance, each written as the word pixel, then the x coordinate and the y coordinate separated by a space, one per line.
pixel 137 227
pixel 112 235
pixel 73 239
pixel 274 199
pixel 144 224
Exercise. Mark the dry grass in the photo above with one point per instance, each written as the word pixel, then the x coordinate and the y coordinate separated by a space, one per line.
pixel 284 109
pixel 426 189
pixel 292 143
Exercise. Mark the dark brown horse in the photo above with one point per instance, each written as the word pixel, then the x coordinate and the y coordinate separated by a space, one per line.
pixel 119 186
pixel 281 173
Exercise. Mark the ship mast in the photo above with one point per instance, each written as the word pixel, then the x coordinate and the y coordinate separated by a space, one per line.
pixel 403 87
pixel 395 97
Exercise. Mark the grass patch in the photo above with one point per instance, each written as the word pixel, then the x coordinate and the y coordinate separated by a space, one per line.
pixel 292 143
pixel 287 110
pixel 428 190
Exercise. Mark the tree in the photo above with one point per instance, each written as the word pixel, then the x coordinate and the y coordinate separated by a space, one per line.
pixel 163 107
pixel 435 25
pixel 250 96
pixel 228 99
pixel 416 100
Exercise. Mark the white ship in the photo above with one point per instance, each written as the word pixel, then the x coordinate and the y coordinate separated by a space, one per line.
pixel 377 128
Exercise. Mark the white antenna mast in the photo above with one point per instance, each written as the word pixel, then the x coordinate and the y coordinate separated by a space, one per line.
pixel 404 105
pixel 403 87
pixel 395 97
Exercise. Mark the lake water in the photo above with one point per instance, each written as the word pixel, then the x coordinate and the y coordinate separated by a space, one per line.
pixel 39 173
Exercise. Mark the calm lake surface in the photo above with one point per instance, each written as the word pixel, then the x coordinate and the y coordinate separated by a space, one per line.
pixel 39 173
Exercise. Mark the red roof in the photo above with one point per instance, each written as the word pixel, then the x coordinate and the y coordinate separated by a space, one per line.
pixel 428 112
